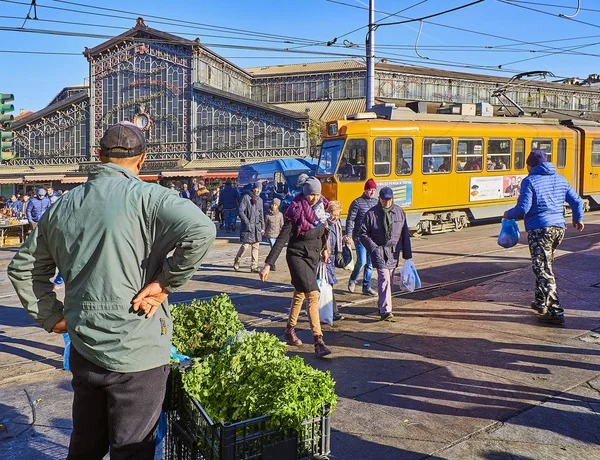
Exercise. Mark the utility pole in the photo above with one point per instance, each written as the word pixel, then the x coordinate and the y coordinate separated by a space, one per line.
pixel 370 46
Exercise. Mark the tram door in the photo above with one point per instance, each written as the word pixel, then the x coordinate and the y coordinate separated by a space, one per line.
pixel 591 168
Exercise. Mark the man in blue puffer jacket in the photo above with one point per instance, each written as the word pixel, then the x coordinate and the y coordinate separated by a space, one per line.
pixel 37 206
pixel 541 200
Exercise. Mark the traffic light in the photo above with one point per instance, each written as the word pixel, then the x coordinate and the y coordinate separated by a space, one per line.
pixel 6 120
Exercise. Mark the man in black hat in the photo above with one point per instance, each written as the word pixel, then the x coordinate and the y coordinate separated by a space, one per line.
pixel 543 193
pixel 117 276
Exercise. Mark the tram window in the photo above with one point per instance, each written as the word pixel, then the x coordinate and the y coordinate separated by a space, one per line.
pixel 469 154
pixel 595 152
pixel 437 155
pixel 561 153
pixel 382 157
pixel 498 154
pixel 404 156
pixel 519 154
pixel 353 165
pixel 543 144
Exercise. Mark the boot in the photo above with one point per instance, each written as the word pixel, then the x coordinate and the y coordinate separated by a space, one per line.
pixel 290 336
pixel 320 349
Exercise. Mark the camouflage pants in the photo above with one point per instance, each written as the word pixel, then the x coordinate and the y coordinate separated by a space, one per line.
pixel 542 243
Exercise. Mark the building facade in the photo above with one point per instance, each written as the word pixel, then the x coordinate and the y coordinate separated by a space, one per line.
pixel 193 106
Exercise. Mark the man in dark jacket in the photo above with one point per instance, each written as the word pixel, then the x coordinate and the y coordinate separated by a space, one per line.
pixel 543 194
pixel 15 206
pixel 229 199
pixel 118 273
pixel 384 232
pixel 37 206
pixel 356 213
pixel 253 226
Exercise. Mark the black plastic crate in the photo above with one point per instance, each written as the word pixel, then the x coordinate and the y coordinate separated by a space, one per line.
pixel 192 435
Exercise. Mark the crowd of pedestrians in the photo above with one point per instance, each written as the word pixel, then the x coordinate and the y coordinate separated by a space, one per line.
pixel 118 271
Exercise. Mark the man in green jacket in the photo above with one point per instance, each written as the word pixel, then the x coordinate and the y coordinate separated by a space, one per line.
pixel 110 238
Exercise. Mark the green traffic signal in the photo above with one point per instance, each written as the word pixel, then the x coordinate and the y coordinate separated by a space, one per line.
pixel 5 97
pixel 6 120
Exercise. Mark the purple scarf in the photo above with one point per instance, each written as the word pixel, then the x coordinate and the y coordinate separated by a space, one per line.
pixel 303 215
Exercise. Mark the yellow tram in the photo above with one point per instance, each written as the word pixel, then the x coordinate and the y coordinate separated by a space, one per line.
pixel 446 170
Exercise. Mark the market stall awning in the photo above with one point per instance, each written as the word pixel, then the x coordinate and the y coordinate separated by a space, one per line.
pixel 184 173
pixel 73 180
pixel 221 175
pixel 44 177
pixel 11 180
pixel 149 177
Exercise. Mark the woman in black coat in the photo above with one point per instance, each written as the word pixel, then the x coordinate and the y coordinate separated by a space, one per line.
pixel 306 233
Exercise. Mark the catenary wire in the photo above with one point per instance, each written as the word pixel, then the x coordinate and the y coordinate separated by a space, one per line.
pixel 554 5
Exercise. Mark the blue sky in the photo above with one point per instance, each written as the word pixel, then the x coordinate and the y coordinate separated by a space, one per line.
pixel 36 79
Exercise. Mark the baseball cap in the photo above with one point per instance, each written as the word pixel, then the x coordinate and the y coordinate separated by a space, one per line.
pixel 41 191
pixel 123 140
pixel 386 193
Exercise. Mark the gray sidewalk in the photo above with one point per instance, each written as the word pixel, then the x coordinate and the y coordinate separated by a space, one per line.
pixel 470 375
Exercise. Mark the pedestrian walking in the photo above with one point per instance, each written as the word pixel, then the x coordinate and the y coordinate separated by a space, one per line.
pixel 111 237
pixel 305 232
pixel 273 223
pixel 252 226
pixel 230 200
pixel 356 213
pixel 335 246
pixel 384 232
pixel 37 207
pixel 185 192
pixel 541 199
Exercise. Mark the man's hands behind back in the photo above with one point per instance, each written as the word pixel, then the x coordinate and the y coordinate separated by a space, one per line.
pixel 149 299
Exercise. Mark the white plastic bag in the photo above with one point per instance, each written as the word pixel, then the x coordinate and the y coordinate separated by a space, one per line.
pixel 348 258
pixel 325 296
pixel 407 279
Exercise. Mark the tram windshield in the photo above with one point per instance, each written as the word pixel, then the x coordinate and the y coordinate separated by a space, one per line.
pixel 330 155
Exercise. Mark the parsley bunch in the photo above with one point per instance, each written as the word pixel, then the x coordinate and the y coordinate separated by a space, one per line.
pixel 252 376
pixel 201 327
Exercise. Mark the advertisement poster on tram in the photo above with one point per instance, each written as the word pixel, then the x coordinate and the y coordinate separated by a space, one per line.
pixel 495 187
pixel 402 191
pixel 486 188
pixel 512 185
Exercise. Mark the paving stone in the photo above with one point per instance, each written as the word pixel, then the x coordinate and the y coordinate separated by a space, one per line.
pixel 442 405
pixel 551 366
pixel 376 447
pixel 378 365
pixel 504 450
pixel 565 420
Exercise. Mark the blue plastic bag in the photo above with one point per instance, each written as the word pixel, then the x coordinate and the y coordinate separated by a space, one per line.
pixel 67 352
pixel 509 234
pixel 178 356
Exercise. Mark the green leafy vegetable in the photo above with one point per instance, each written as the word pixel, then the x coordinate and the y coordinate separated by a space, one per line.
pixel 201 327
pixel 252 376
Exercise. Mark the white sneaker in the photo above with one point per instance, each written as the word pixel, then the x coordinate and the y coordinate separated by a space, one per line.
pixel 351 286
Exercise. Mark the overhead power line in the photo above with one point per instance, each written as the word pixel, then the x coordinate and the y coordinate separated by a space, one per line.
pixel 175 22
pixel 431 15
pixel 554 5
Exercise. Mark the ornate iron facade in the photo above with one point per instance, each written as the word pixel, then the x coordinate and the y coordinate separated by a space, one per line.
pixel 232 129
pixel 148 84
pixel 60 137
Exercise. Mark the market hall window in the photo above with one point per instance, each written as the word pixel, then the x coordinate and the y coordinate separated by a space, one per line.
pixel 437 155
pixel 561 153
pixel 519 154
pixel 498 154
pixel 382 157
pixel 469 154
pixel 404 156
pixel 543 144
pixel 353 164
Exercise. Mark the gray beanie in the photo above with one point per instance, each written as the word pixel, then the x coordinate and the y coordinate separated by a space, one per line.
pixel 312 185
pixel 301 179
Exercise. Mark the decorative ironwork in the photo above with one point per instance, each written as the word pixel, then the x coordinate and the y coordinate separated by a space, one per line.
pixel 54 137
pixel 251 153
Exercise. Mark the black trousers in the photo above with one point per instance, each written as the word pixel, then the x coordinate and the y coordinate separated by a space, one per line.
pixel 115 410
